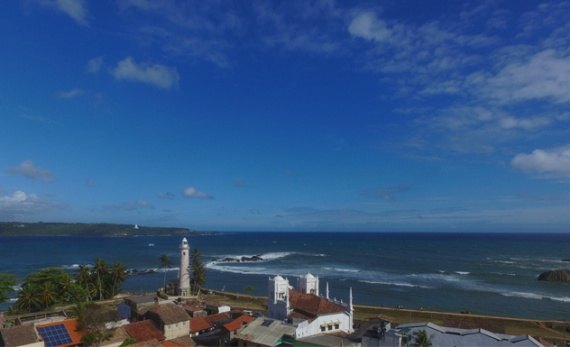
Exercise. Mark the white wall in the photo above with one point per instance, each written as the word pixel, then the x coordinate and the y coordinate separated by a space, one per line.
pixel 172 331
pixel 307 328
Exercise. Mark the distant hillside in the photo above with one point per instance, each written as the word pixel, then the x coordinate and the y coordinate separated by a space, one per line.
pixel 83 229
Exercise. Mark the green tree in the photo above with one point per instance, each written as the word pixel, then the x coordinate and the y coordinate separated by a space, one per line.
pixel 45 288
pixel 28 299
pixel 421 339
pixel 165 263
pixel 47 294
pixel 7 282
pixel 198 272
pixel 101 272
pixel 119 275
pixel 91 320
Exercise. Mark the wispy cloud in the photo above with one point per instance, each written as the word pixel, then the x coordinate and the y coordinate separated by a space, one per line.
pixel 193 193
pixel 28 169
pixel 20 203
pixel 388 194
pixel 544 75
pixel 157 75
pixel 130 206
pixel 75 9
pixel 166 195
pixel 70 94
pixel 94 65
pixel 548 163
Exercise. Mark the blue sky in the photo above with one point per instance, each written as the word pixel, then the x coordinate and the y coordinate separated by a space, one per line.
pixel 287 115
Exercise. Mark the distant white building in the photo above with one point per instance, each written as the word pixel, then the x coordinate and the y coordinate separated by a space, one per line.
pixel 310 313
pixel 184 278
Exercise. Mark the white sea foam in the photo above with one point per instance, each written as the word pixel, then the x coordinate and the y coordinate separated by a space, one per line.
pixel 398 284
pixel 70 267
pixel 462 272
pixel 340 269
pixel 536 296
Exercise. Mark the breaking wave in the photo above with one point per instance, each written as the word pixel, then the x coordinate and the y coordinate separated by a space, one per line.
pixel 398 284
pixel 536 296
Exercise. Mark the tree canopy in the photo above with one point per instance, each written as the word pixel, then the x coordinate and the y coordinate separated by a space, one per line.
pixel 198 272
pixel 7 282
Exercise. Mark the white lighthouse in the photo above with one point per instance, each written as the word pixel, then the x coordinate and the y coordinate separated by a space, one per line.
pixel 184 285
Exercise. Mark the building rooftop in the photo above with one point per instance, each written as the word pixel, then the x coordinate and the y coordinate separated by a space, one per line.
pixel 144 331
pixel 70 326
pixel 142 299
pixel 308 306
pixel 198 324
pixel 170 313
pixel 266 332
pixel 444 336
pixel 18 335
pixel 238 322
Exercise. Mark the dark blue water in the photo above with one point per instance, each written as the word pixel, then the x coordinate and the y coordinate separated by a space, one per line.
pixel 481 273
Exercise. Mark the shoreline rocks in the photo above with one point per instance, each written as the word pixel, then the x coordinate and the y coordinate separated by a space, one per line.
pixel 555 276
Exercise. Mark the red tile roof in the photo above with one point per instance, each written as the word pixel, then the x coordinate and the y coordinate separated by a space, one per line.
pixel 198 324
pixel 217 317
pixel 144 331
pixel 238 322
pixel 311 304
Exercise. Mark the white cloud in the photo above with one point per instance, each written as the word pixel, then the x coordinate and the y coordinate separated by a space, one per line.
pixel 76 9
pixel 548 163
pixel 19 204
pixel 544 75
pixel 160 76
pixel 18 197
pixel 70 94
pixel 192 192
pixel 367 26
pixel 28 169
pixel 94 65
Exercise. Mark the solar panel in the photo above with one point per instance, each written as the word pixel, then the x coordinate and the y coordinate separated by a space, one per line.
pixel 54 335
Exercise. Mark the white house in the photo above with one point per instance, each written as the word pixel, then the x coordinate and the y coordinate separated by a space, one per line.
pixel 310 313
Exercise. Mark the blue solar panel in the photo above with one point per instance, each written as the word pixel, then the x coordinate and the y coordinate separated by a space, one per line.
pixel 55 335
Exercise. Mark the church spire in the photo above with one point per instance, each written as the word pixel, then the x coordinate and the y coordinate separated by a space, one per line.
pixel 351 307
pixel 327 291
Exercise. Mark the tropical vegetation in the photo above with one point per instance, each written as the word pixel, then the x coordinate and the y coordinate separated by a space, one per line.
pixel 7 283
pixel 198 272
pixel 52 286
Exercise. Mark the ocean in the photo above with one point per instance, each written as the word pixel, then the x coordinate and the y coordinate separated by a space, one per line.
pixel 481 273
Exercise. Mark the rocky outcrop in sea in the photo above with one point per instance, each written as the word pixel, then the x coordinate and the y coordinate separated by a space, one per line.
pixel 555 276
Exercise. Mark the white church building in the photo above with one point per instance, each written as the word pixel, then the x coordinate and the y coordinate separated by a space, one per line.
pixel 306 309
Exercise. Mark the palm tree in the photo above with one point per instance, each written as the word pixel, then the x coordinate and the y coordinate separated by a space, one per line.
pixel 165 263
pixel 198 271
pixel 119 274
pixel 48 294
pixel 100 271
pixel 28 299
pixel 84 276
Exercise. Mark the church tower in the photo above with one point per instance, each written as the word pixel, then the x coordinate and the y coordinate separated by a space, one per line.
pixel 308 284
pixel 184 286
pixel 278 303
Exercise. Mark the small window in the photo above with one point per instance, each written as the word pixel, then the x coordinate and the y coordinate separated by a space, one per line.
pixel 336 326
pixel 323 328
pixel 329 327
